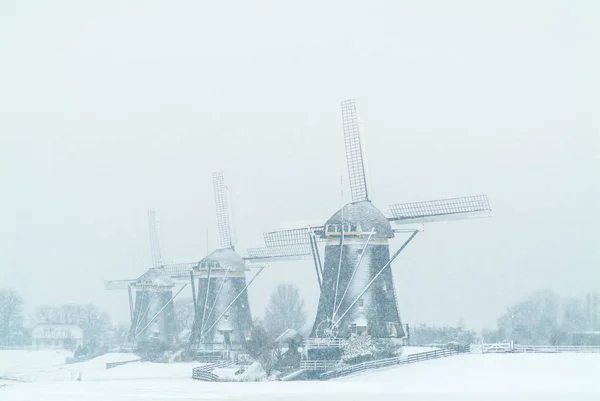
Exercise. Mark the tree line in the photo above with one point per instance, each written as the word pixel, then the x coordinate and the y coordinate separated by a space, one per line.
pixel 285 310
pixel 15 328
pixel 541 318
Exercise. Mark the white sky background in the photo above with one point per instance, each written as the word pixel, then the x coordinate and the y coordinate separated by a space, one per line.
pixel 109 108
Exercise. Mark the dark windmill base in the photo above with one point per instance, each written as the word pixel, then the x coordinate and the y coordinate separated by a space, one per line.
pixel 148 303
pixel 377 304
pixel 222 339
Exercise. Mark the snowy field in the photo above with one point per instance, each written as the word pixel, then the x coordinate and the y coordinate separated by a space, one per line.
pixel 464 377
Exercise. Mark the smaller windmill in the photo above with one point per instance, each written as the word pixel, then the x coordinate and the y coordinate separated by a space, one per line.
pixel 223 320
pixel 151 310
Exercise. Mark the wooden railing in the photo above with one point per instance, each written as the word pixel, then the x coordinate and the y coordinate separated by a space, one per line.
pixel 492 348
pixel 555 349
pixel 204 376
pixel 381 363
pixel 204 372
pixel 212 366
pixel 324 342
pixel 509 346
pixel 318 365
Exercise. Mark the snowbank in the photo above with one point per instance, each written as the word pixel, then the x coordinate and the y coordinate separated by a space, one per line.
pixel 493 373
pixel 460 378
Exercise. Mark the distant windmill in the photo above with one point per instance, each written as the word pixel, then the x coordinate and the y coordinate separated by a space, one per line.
pixel 223 321
pixel 151 312
pixel 355 276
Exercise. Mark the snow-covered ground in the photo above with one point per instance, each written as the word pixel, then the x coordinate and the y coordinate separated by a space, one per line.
pixel 464 377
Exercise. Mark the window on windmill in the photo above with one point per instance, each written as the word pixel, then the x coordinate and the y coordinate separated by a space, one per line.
pixel 361 303
pixel 384 286
pixel 353 328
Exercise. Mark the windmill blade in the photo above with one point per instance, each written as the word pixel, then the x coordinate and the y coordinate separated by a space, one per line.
pixel 354 152
pixel 179 269
pixel 441 210
pixel 279 253
pixel 118 284
pixel 155 249
pixel 296 236
pixel 223 210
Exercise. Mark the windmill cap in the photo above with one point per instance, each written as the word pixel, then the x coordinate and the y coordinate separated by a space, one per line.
pixel 155 277
pixel 366 216
pixel 226 258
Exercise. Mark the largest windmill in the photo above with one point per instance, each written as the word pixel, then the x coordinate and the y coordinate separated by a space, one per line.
pixel 355 276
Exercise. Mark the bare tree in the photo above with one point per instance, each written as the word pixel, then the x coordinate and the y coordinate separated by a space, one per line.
pixel 46 314
pixel 261 347
pixel 285 310
pixel 184 313
pixel 94 323
pixel 11 315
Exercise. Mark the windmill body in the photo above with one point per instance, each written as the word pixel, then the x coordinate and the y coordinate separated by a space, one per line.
pixel 223 321
pixel 153 314
pixel 151 295
pixel 376 310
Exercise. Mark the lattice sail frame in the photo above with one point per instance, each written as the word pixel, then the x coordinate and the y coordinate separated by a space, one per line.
pixel 287 244
pixel 354 152
pixel 441 209
pixel 289 237
pixel 223 210
pixel 274 252
pixel 155 249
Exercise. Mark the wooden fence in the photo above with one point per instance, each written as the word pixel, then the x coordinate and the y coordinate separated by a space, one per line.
pixel 204 376
pixel 204 372
pixel 510 347
pixel 381 363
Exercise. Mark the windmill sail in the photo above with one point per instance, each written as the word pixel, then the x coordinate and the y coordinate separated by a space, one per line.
pixel 441 210
pixel 223 210
pixel 155 249
pixel 287 244
pixel 354 152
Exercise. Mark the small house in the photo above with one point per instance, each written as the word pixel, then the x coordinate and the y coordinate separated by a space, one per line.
pixel 48 336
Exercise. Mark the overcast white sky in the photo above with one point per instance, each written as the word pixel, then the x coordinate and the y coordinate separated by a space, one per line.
pixel 108 108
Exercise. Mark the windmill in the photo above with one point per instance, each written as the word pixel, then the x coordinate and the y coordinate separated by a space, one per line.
pixel 357 292
pixel 223 321
pixel 151 310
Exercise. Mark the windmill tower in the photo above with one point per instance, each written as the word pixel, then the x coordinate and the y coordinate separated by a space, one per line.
pixel 151 295
pixel 223 321
pixel 355 276
pixel 153 291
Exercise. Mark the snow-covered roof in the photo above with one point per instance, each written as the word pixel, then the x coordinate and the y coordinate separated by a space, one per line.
pixel 367 216
pixel 288 334
pixel 56 331
pixel 156 277
pixel 225 258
